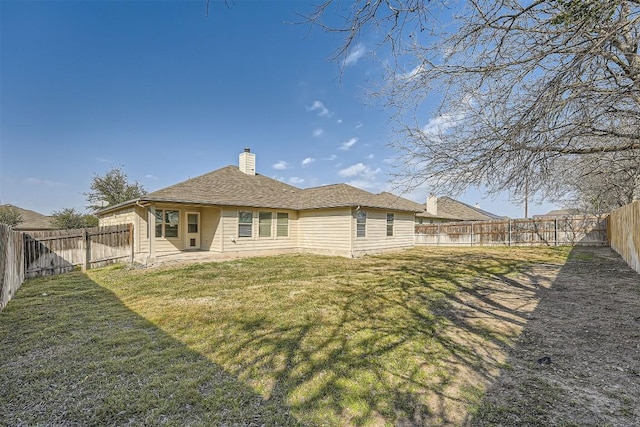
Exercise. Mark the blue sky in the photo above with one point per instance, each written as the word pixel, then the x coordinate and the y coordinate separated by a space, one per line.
pixel 168 92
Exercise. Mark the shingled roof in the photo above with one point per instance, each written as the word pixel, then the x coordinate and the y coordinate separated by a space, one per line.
pixel 339 195
pixel 229 186
pixel 449 208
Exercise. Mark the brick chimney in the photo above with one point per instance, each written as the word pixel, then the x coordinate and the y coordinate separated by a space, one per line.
pixel 247 163
pixel 432 204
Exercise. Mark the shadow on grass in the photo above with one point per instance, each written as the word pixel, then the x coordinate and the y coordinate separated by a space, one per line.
pixel 72 354
pixel 399 340
pixel 406 339
pixel 576 363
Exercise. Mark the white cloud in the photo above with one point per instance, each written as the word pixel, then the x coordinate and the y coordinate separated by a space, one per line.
pixel 439 125
pixel 330 158
pixel 359 169
pixel 348 144
pixel 339 121
pixel 359 125
pixel 369 157
pixel 442 123
pixel 353 170
pixel 308 161
pixel 320 108
pixel 149 176
pixel 413 73
pixel 281 165
pixel 362 184
pixel 357 53
pixel 294 180
pixel 362 176
pixel 317 132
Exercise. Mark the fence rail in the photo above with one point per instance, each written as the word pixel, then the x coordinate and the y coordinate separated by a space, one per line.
pixel 624 232
pixel 574 230
pixel 60 251
pixel 25 255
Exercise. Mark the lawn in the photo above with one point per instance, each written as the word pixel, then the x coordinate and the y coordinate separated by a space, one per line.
pixel 407 338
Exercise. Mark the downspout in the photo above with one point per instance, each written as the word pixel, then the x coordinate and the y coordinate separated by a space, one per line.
pixel 352 233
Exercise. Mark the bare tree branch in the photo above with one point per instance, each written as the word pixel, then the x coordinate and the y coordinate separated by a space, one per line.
pixel 500 94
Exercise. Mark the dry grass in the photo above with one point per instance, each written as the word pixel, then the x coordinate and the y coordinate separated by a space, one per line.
pixel 402 339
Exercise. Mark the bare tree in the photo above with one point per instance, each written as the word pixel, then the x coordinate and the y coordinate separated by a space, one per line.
pixel 598 184
pixel 520 88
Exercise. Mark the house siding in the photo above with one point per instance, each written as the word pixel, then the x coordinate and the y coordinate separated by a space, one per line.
pixel 234 245
pixel 330 231
pixel 135 215
pixel 210 234
pixel 124 216
pixel 326 231
pixel 376 239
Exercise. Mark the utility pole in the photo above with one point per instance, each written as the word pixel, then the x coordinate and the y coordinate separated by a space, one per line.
pixel 526 197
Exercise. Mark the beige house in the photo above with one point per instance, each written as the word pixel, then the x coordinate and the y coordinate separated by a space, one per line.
pixel 236 212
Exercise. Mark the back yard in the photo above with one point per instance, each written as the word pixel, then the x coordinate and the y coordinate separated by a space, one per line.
pixel 440 336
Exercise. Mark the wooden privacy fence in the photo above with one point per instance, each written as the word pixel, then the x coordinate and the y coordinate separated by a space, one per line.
pixel 624 233
pixel 40 253
pixel 60 251
pixel 11 263
pixel 582 230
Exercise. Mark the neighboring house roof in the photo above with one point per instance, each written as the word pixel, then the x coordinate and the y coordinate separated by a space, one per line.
pixel 229 186
pixel 32 220
pixel 449 208
pixel 560 213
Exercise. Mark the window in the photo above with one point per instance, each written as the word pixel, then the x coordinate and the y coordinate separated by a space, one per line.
pixel 245 223
pixel 264 224
pixel 192 223
pixel 167 223
pixel 361 223
pixel 390 221
pixel 283 224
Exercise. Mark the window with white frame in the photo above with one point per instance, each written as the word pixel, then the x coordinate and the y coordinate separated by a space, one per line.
pixel 361 223
pixel 390 221
pixel 264 224
pixel 245 223
pixel 282 224
pixel 167 223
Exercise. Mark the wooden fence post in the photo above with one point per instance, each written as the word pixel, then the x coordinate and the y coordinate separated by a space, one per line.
pixel 87 250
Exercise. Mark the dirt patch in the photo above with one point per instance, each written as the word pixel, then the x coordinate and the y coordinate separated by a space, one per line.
pixel 577 359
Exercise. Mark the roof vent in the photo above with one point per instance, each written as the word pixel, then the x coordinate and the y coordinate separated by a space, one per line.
pixel 247 163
